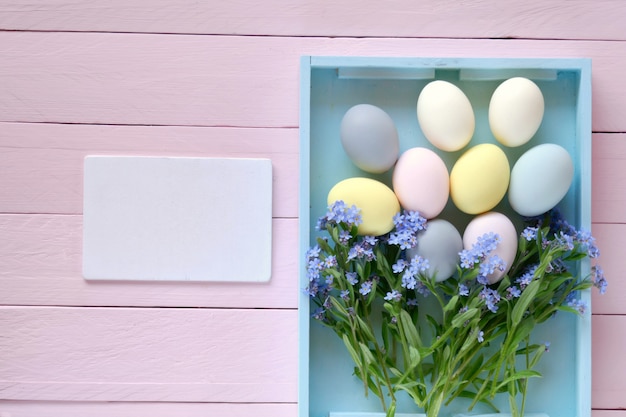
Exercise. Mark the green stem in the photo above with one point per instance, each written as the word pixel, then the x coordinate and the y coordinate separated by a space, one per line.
pixel 383 366
pixel 513 389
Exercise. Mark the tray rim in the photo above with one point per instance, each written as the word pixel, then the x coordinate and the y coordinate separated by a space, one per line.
pixel 582 65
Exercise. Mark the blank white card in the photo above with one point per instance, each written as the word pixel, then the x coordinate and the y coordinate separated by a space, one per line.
pixel 177 219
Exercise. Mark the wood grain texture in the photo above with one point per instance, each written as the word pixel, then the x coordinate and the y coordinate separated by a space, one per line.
pixel 41 165
pixel 128 409
pixel 609 362
pixel 535 19
pixel 230 81
pixel 611 239
pixel 609 178
pixel 41 258
pixel 125 409
pixel 169 355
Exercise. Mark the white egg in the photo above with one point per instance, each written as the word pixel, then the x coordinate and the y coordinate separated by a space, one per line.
pixel 498 223
pixel 445 115
pixel 370 138
pixel 440 243
pixel 540 179
pixel 516 111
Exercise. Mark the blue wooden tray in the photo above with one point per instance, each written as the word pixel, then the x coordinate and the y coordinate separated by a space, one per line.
pixel 329 87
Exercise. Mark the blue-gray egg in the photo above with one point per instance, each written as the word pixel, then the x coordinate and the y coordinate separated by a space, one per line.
pixel 540 179
pixel 440 243
pixel 370 138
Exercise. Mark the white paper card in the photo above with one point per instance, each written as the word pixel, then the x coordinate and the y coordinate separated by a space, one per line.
pixel 177 219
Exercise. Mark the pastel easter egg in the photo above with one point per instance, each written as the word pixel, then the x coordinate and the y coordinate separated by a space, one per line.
pixel 501 225
pixel 479 179
pixel 421 182
pixel 377 202
pixel 370 138
pixel 445 115
pixel 516 111
pixel 440 243
pixel 540 179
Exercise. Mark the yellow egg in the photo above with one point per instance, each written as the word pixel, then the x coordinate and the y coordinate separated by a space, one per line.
pixel 377 202
pixel 479 179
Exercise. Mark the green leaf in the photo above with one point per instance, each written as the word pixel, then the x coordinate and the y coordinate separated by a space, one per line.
pixel 415 357
pixel 460 319
pixel 451 305
pixel 523 374
pixel 409 329
pixel 365 329
pixel 355 356
pixel 524 301
pixel 367 354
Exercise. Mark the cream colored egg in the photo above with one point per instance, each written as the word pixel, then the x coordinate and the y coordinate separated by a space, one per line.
pixel 440 244
pixel 501 225
pixel 421 182
pixel 445 115
pixel 479 179
pixel 540 179
pixel 377 202
pixel 370 138
pixel 516 111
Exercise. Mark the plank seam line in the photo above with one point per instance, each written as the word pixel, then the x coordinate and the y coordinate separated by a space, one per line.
pixel 253 35
pixel 148 125
pixel 66 402
pixel 81 215
pixel 195 283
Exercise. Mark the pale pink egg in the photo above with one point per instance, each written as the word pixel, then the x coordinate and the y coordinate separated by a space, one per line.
pixel 498 223
pixel 421 182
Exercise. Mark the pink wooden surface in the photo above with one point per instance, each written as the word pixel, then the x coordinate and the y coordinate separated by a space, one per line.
pixel 609 361
pixel 41 258
pixel 230 80
pixel 136 354
pixel 42 164
pixel 69 89
pixel 538 19
pixel 129 409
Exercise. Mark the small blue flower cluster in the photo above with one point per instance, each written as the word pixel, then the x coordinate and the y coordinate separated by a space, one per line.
pixel 339 212
pixel 407 226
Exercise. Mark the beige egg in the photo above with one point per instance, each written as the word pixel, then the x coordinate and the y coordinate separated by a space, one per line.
pixel 445 115
pixel 516 111
pixel 377 202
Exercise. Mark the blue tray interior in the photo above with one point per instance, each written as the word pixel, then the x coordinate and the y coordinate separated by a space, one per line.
pixel 335 85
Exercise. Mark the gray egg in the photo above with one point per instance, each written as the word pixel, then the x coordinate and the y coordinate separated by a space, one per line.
pixel 440 243
pixel 370 138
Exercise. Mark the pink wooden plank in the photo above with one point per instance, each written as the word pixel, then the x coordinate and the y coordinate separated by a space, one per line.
pixel 401 18
pixel 41 258
pixel 135 354
pixel 126 409
pixel 609 362
pixel 93 409
pixel 611 239
pixel 230 81
pixel 41 165
pixel 609 178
